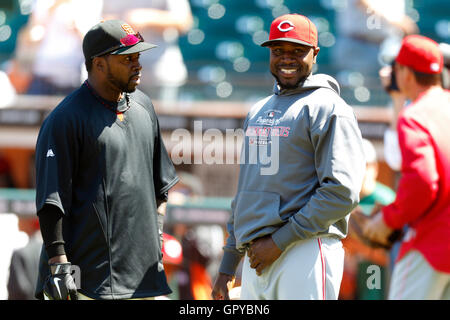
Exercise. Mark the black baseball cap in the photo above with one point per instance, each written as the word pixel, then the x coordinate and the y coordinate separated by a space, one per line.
pixel 113 37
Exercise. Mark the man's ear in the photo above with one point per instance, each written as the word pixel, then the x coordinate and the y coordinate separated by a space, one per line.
pixel 315 53
pixel 99 64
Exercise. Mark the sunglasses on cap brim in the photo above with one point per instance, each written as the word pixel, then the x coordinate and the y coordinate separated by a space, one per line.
pixel 128 41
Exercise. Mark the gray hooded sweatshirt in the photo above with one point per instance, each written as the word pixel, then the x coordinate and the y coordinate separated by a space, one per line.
pixel 301 171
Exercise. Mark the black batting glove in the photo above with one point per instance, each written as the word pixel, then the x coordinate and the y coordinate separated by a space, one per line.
pixel 60 285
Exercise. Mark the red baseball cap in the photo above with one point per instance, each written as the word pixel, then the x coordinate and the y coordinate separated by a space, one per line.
pixel 421 54
pixel 293 28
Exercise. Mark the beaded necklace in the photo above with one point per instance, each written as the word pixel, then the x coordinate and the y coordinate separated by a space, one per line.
pixel 119 114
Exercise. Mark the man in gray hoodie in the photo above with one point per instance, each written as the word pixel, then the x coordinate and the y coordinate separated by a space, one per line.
pixel 291 208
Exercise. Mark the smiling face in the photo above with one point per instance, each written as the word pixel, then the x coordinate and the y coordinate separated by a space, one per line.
pixel 123 71
pixel 291 63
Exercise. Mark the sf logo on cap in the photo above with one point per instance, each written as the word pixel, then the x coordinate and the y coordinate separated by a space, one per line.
pixel 288 26
pixel 128 29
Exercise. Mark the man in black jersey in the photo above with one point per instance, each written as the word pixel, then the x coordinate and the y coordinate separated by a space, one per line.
pixel 102 173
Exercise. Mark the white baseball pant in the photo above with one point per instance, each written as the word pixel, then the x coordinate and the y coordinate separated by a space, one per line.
pixel 306 270
pixel 414 278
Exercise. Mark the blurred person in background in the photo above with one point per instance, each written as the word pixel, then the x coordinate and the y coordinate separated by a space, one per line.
pixel 9 92
pixel 193 280
pixel 161 22
pixel 445 48
pixel 6 179
pixel 23 270
pixel 358 256
pixel 391 150
pixel 172 252
pixel 399 101
pixel 55 32
pixel 422 269
pixel 390 139
pixel 363 26
pixel 11 239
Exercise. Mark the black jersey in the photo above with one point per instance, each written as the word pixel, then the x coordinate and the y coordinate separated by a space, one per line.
pixel 105 172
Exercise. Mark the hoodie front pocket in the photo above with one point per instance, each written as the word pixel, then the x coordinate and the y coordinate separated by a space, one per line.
pixel 255 210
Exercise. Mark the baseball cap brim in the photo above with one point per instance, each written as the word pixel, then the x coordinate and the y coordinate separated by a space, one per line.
pixel 269 42
pixel 138 47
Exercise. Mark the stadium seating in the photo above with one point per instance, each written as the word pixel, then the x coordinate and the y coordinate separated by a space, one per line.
pixel 226 36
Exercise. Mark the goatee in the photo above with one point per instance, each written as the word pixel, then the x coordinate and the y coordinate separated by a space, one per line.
pixel 288 86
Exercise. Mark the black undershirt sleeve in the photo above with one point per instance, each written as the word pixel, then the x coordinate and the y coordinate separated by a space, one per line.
pixel 50 221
